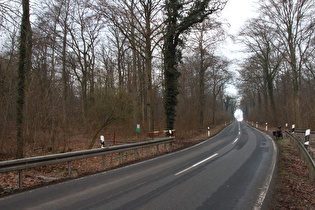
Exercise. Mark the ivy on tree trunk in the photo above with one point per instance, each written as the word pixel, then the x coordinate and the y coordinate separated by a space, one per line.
pixel 24 65
pixel 177 22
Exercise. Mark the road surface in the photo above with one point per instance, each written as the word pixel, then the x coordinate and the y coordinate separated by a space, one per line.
pixel 232 170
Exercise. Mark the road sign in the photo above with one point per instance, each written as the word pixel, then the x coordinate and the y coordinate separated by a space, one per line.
pixel 138 128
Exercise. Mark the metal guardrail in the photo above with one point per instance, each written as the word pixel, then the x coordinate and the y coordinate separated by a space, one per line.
pixel 26 163
pixel 302 131
pixel 307 157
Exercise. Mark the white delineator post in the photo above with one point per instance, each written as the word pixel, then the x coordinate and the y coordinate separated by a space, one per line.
pixel 102 142
pixel 209 134
pixel 293 128
pixel 307 137
pixel 266 126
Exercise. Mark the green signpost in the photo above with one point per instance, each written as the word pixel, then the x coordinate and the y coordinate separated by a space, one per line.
pixel 138 128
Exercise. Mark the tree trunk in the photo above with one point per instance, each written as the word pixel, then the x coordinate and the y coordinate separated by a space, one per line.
pixel 148 73
pixel 134 85
pixel 148 63
pixel 202 71
pixel 25 54
pixel 171 80
pixel 65 75
pixel 176 24
pixel 214 99
pixel 270 87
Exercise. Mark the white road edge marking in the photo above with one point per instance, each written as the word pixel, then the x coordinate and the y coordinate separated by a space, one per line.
pixel 235 141
pixel 212 156
pixel 265 188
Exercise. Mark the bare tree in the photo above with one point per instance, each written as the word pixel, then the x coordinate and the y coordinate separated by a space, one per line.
pixel 252 86
pixel 140 23
pixel 294 23
pixel 84 32
pixel 219 76
pixel 260 41
pixel 9 13
pixel 203 40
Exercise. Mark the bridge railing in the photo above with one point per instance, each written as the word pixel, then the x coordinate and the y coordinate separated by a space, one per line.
pixel 32 162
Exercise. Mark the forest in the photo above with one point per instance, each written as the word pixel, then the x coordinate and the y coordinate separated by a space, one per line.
pixel 278 76
pixel 81 68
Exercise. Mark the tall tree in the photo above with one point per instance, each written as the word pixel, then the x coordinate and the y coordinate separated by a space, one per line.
pixel 84 32
pixel 25 54
pixel 293 20
pixel 260 41
pixel 251 87
pixel 219 77
pixel 139 21
pixel 180 16
pixel 203 41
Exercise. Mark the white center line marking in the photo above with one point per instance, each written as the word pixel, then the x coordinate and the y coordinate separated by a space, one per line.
pixel 196 164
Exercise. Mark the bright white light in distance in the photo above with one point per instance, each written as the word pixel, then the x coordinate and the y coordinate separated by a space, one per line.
pixel 238 114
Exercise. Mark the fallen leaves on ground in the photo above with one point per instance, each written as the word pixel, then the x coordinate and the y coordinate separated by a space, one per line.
pixel 293 189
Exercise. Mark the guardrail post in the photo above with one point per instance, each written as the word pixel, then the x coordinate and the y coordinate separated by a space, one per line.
pixel 312 175
pixel 111 160
pixel 120 157
pixel 114 138
pixel 69 169
pixel 20 174
pixel 148 151
pixel 104 162
pixel 136 155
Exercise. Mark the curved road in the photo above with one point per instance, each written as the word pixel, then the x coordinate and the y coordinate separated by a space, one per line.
pixel 232 170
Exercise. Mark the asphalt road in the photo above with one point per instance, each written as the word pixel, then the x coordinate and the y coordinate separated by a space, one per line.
pixel 232 170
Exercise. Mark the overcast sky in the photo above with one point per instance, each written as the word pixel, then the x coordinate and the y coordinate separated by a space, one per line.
pixel 236 12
